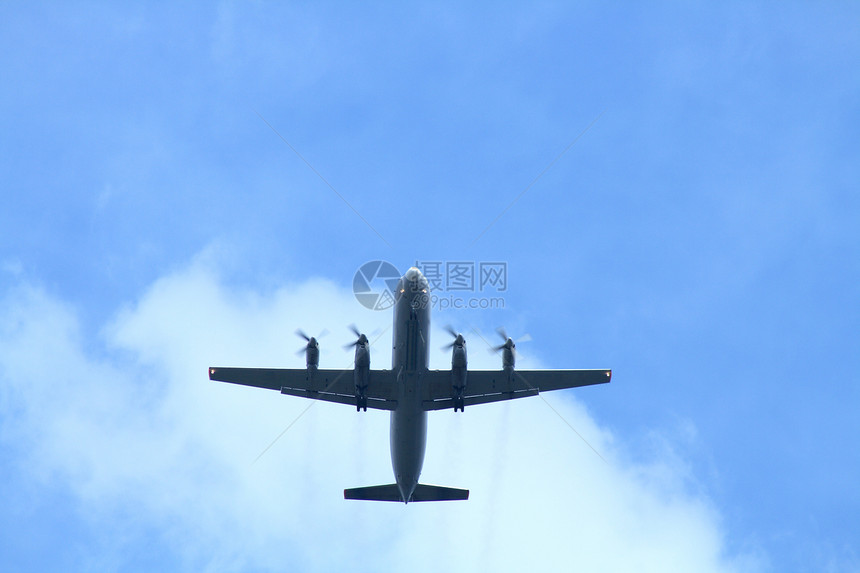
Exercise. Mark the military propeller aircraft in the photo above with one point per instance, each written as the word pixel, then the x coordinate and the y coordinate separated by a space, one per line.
pixel 409 390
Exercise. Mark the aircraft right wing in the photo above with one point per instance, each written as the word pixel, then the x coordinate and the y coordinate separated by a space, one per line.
pixel 327 385
pixel 483 386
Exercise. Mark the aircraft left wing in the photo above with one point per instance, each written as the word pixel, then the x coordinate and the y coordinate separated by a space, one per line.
pixel 483 386
pixel 327 385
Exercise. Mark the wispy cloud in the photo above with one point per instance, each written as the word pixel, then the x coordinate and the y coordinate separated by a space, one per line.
pixel 132 426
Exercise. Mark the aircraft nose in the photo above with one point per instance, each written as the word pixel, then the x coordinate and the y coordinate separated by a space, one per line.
pixel 413 274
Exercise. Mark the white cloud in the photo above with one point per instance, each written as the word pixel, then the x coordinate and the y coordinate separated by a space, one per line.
pixel 138 429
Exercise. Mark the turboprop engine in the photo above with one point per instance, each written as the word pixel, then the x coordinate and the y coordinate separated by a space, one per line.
pixel 312 350
pixel 459 368
pixel 361 373
pixel 509 351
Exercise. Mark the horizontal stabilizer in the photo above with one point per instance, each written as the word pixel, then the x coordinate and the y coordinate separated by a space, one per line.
pixel 438 493
pixel 391 492
pixel 388 492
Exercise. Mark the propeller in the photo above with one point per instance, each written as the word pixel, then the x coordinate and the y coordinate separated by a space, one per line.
pixel 361 339
pixel 311 340
pixel 458 338
pixel 509 342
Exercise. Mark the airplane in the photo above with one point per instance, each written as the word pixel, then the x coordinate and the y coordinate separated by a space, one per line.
pixel 410 389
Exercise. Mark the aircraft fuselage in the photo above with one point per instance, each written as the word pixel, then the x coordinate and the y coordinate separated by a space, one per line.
pixel 410 361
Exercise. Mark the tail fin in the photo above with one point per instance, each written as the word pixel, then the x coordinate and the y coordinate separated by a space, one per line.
pixel 391 492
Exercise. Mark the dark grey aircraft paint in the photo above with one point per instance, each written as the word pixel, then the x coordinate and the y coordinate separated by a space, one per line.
pixel 409 390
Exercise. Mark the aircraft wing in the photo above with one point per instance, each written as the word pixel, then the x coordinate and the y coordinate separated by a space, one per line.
pixel 484 386
pixel 328 385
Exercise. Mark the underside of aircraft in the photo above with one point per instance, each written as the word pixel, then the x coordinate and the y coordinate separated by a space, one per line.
pixel 410 389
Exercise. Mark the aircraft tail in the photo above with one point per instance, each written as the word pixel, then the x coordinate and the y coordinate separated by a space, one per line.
pixel 391 492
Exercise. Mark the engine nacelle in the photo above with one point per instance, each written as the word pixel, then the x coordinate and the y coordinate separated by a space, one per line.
pixel 508 354
pixel 311 349
pixel 459 370
pixel 361 373
pixel 509 358
pixel 312 354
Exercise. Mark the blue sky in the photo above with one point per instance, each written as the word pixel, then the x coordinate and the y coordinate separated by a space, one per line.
pixel 699 237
